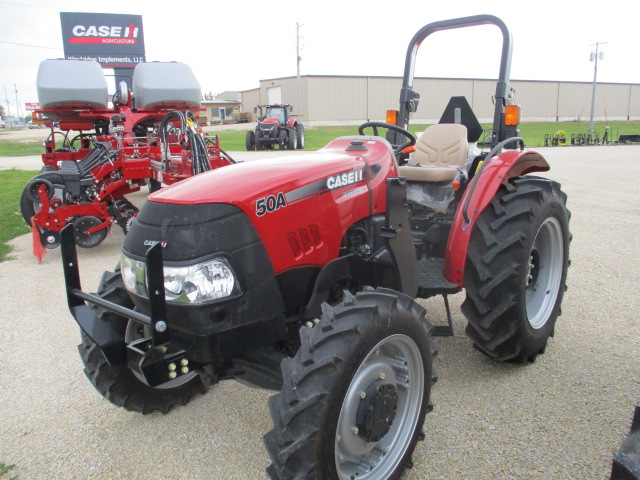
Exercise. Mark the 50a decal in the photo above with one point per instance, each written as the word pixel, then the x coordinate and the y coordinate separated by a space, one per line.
pixel 270 204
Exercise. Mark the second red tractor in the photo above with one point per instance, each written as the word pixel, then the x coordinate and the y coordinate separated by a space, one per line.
pixel 276 126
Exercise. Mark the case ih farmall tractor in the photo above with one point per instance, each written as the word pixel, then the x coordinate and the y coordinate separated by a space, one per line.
pixel 147 135
pixel 300 274
pixel 276 127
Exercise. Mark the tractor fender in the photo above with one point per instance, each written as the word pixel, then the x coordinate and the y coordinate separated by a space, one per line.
pixel 477 196
pixel 291 123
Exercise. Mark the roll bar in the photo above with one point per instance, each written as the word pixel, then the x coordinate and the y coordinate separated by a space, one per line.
pixel 504 92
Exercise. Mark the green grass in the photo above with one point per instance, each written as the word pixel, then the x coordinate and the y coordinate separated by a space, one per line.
pixel 5 469
pixel 12 224
pixel 10 148
pixel 318 137
pixel 533 133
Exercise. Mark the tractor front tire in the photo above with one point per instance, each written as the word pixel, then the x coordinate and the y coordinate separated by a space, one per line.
pixel 282 140
pixel 516 269
pixel 292 139
pixel 356 393
pixel 250 141
pixel 119 384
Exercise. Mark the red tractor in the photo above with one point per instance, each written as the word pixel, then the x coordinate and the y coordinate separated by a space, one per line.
pixel 276 126
pixel 302 274
pixel 147 135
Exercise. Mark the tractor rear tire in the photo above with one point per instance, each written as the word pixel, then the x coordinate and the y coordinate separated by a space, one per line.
pixel 300 134
pixel 250 141
pixel 119 384
pixel 355 395
pixel 516 269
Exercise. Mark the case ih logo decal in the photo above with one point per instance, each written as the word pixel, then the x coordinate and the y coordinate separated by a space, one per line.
pixel 114 35
pixel 279 200
pixel 151 243
pixel 342 180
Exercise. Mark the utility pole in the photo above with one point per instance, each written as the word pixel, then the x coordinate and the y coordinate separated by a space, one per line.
pixel 298 59
pixel 595 55
pixel 6 99
pixel 18 109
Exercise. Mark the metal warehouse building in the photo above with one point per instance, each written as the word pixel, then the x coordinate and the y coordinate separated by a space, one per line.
pixel 351 100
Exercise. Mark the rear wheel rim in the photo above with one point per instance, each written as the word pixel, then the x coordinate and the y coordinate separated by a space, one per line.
pixel 397 361
pixel 542 284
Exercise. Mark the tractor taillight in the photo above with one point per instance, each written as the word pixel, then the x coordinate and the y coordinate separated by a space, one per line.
pixel 512 115
pixel 392 117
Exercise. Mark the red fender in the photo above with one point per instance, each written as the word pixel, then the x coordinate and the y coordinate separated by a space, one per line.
pixel 499 170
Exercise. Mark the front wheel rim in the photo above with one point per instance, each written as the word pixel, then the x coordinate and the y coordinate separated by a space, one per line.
pixel 544 273
pixel 397 361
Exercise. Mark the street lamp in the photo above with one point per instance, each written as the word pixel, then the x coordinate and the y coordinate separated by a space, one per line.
pixel 595 56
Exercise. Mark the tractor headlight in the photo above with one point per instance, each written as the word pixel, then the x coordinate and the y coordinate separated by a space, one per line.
pixel 204 282
pixel 134 275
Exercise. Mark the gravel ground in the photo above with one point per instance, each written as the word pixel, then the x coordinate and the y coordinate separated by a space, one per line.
pixel 560 418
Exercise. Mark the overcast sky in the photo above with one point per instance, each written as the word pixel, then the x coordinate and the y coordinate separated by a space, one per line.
pixel 231 45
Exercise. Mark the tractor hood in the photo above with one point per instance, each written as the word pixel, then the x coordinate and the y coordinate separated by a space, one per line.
pixel 238 183
pixel 269 121
pixel 334 167
pixel 322 193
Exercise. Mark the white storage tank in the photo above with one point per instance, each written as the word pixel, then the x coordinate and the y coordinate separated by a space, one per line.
pixel 165 83
pixel 62 82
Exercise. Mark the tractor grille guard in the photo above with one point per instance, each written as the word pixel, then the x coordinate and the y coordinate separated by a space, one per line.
pixel 113 346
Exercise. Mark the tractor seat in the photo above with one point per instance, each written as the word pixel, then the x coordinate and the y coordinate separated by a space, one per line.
pixel 440 152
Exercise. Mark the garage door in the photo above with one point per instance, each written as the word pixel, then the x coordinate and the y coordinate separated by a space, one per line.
pixel 274 95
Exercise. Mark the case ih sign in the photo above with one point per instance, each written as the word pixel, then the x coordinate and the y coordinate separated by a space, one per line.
pixel 113 40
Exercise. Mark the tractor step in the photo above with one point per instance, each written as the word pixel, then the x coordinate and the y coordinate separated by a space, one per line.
pixel 432 282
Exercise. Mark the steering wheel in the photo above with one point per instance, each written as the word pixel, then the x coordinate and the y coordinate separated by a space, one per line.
pixel 397 149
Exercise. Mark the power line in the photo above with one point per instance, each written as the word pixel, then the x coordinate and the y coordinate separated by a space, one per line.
pixel 27 45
